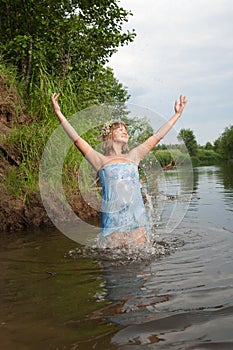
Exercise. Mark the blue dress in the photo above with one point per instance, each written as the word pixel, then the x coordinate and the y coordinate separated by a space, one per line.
pixel 122 208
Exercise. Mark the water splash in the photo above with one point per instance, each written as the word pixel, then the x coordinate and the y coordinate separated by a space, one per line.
pixel 152 250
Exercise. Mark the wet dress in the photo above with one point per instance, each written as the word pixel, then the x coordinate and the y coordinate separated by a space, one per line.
pixel 122 208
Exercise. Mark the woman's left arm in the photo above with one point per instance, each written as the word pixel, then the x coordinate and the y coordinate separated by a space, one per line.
pixel 140 151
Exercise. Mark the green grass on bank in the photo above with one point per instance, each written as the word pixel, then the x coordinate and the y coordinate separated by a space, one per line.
pixel 206 157
pixel 27 139
pixel 175 156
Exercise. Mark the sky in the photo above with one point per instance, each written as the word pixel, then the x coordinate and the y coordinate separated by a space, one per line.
pixel 182 47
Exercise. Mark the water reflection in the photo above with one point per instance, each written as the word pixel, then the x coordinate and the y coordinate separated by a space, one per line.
pixel 177 295
pixel 225 175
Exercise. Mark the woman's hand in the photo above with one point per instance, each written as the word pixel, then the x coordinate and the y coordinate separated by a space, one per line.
pixel 55 104
pixel 179 106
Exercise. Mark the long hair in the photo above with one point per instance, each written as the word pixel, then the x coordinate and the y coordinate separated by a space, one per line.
pixel 108 142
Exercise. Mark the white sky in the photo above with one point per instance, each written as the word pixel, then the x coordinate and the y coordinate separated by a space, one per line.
pixel 182 47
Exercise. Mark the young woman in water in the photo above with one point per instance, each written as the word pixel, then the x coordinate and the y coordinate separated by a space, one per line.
pixel 123 215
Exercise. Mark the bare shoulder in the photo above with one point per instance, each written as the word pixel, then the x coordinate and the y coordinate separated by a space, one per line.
pixel 133 155
pixel 96 159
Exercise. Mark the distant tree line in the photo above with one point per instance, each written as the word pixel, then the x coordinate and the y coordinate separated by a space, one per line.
pixel 221 149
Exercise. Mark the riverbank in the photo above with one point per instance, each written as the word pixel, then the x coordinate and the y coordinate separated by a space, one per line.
pixel 26 210
pixel 21 206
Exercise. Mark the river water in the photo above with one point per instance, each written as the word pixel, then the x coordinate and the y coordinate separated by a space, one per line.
pixel 58 295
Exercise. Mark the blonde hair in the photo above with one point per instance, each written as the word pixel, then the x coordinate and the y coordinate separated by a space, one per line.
pixel 108 142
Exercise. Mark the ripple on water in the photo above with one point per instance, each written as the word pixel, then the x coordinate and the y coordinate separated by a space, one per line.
pixel 175 292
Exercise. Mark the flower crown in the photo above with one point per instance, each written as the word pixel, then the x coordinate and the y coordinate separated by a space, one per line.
pixel 105 130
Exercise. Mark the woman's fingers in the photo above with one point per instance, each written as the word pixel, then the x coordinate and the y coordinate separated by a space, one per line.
pixel 183 99
pixel 55 95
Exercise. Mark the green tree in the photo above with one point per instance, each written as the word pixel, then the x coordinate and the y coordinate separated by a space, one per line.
pixel 209 146
pixel 187 135
pixel 225 143
pixel 62 37
pixel 217 145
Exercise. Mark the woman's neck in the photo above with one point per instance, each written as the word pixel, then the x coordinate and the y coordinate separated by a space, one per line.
pixel 116 149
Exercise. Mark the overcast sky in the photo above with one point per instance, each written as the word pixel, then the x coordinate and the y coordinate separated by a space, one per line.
pixel 182 47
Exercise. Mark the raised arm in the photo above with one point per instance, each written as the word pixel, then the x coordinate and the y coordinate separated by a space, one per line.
pixel 64 122
pixel 140 151
pixel 94 157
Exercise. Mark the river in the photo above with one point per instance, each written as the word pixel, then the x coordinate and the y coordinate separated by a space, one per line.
pixel 58 295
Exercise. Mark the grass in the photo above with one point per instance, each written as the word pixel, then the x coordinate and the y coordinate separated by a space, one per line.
pixel 208 157
pixel 28 140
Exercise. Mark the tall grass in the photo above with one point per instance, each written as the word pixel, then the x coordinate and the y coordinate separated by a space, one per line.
pixel 10 76
pixel 29 140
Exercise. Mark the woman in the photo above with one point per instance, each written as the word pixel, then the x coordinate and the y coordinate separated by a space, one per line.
pixel 123 215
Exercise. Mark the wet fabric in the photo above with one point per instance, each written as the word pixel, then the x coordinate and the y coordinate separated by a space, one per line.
pixel 122 208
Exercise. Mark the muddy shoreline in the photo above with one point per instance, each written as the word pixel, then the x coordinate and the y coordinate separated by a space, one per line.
pixel 23 213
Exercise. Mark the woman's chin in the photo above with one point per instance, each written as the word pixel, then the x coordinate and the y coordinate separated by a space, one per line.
pixel 123 140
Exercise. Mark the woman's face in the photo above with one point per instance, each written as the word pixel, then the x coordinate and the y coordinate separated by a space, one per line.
pixel 120 134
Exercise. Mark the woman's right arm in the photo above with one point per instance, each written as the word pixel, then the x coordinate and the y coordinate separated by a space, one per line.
pixel 140 151
pixel 94 157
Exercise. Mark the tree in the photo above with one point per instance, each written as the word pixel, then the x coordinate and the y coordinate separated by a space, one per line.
pixel 225 143
pixel 189 139
pixel 209 146
pixel 217 145
pixel 62 37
